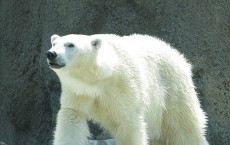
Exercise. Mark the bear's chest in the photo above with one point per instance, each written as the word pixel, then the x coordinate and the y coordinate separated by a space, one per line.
pixel 79 87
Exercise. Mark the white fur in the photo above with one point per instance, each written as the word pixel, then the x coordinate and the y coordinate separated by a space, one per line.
pixel 136 86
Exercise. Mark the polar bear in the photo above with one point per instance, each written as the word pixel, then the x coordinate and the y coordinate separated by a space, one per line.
pixel 137 87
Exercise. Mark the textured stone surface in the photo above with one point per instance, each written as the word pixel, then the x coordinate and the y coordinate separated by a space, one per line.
pixel 30 91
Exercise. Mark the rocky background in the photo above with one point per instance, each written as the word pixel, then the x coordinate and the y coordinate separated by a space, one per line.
pixel 30 91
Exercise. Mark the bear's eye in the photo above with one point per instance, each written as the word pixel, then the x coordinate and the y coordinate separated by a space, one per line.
pixel 70 45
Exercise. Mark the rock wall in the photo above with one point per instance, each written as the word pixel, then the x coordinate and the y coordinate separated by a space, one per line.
pixel 30 91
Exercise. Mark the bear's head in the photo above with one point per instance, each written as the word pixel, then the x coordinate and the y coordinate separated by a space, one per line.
pixel 81 55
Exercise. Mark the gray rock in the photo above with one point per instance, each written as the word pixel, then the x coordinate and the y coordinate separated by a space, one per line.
pixel 102 142
pixel 30 91
pixel 2 143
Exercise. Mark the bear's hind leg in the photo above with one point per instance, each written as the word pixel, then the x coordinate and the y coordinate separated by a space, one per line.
pixel 182 131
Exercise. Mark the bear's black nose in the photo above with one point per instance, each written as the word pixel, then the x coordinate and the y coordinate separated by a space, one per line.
pixel 51 55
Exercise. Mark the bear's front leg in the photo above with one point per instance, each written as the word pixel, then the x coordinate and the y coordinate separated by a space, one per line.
pixel 132 133
pixel 71 128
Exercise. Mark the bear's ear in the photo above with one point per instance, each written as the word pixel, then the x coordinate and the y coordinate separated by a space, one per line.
pixel 96 43
pixel 54 37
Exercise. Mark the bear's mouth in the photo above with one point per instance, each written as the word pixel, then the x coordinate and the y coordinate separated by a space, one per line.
pixel 55 65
